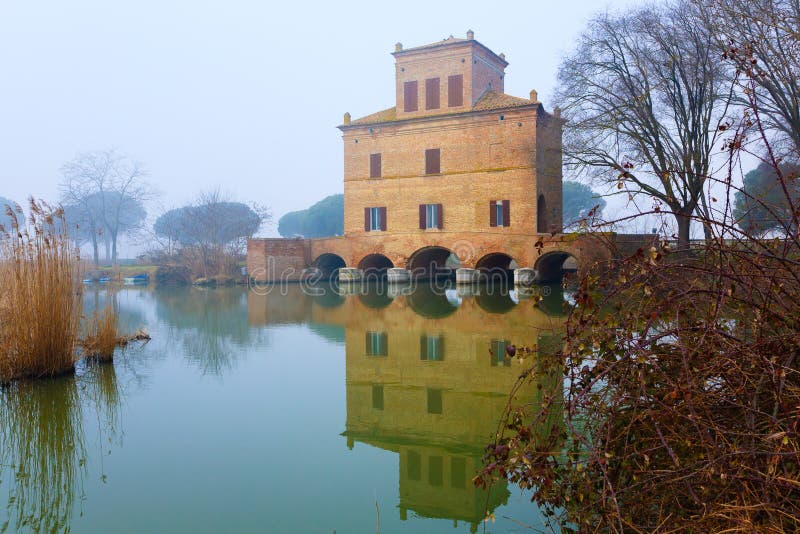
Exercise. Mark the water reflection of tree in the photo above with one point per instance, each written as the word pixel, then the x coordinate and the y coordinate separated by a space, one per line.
pixel 211 325
pixel 43 452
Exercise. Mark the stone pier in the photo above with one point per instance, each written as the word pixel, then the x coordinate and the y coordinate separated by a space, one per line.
pixel 350 275
pixel 525 276
pixel 397 275
pixel 467 276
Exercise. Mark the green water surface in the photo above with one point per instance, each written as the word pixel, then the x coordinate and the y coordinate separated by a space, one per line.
pixel 283 409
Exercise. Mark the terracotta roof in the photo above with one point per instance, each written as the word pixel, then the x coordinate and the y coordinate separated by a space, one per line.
pixel 387 115
pixel 491 100
pixel 494 100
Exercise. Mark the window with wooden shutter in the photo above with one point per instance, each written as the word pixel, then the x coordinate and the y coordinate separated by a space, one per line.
pixel 455 91
pixel 430 216
pixel 492 213
pixel 374 219
pixel 432 161
pixel 377 396
pixel 376 343
pixel 374 165
pixel 506 213
pixel 432 93
pixel 431 348
pixel 434 406
pixel 410 96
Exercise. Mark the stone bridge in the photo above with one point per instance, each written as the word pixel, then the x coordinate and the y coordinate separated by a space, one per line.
pixel 546 257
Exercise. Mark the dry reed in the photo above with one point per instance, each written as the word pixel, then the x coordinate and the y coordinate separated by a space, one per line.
pixel 102 337
pixel 39 283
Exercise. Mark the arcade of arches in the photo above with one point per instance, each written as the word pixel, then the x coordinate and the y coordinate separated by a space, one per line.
pixel 433 254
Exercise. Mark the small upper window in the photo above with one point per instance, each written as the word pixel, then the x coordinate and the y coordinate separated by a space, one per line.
pixel 432 93
pixel 410 96
pixel 455 91
pixel 433 161
pixel 374 165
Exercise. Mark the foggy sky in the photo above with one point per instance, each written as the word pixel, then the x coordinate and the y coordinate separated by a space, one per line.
pixel 241 95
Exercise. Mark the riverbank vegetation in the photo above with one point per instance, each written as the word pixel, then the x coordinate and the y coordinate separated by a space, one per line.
pixel 40 299
pixel 39 295
pixel 206 239
pixel 681 407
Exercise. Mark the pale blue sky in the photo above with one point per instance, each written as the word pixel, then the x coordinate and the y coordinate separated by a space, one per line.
pixel 239 94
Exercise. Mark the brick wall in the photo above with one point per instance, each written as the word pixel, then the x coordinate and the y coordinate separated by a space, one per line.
pixel 479 67
pixel 483 158
pixel 277 259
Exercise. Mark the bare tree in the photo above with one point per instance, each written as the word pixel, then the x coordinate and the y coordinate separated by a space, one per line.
pixel 761 39
pixel 645 95
pixel 212 232
pixel 109 189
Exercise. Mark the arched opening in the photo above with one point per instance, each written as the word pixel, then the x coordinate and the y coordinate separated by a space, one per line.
pixel 431 302
pixel 553 266
pixel 329 264
pixel 497 267
pixel 326 296
pixel 495 301
pixel 433 262
pixel 375 296
pixel 553 302
pixel 375 267
pixel 541 215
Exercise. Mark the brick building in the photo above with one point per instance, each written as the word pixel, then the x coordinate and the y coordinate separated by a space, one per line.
pixel 455 153
pixel 456 169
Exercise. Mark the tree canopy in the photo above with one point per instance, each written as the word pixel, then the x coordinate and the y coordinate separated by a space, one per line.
pixel 762 205
pixel 104 193
pixel 323 219
pixel 209 235
pixel 216 223
pixel 578 200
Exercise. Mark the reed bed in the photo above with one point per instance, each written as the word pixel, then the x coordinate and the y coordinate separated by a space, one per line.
pixel 102 336
pixel 40 308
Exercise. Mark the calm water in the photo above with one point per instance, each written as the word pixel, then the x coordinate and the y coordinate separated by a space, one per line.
pixel 278 412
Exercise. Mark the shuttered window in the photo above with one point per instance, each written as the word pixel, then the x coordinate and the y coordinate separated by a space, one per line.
pixel 499 353
pixel 377 344
pixel 377 397
pixel 432 93
pixel 410 96
pixel 374 165
pixel 455 91
pixel 430 216
pixel 431 348
pixel 433 161
pixel 499 213
pixel 374 219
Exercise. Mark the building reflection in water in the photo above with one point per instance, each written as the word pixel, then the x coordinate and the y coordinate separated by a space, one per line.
pixel 427 377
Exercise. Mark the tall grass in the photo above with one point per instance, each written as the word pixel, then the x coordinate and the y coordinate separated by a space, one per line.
pixel 102 336
pixel 39 294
